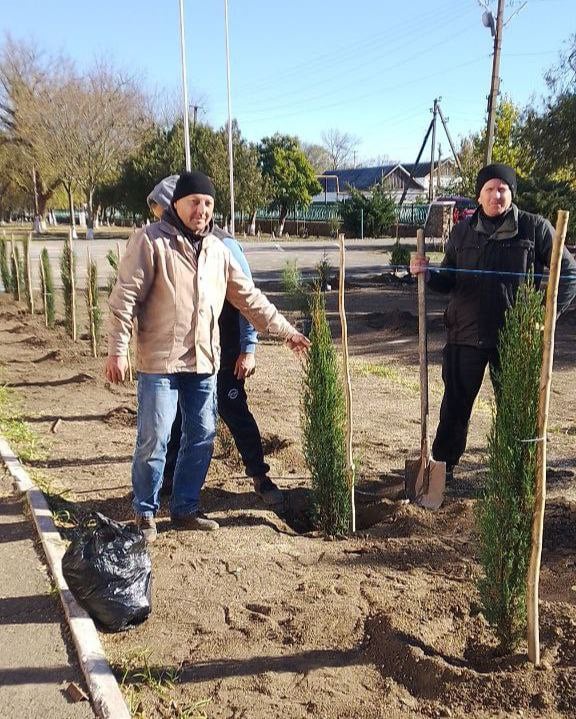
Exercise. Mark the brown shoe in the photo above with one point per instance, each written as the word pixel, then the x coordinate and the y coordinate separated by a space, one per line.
pixel 267 490
pixel 196 521
pixel 147 525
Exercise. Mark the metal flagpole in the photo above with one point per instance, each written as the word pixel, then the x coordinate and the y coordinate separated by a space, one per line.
pixel 184 90
pixel 230 154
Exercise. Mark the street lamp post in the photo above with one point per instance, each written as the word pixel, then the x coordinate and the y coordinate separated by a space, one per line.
pixel 185 91
pixel 230 148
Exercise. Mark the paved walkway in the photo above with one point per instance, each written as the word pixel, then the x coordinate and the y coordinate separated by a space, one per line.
pixel 37 659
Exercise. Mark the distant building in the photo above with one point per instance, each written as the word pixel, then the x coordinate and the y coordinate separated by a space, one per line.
pixel 395 177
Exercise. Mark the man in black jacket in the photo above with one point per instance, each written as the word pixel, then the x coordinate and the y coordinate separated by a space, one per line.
pixel 487 257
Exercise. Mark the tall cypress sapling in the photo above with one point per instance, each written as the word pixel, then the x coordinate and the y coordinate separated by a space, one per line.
pixel 47 281
pixel 323 416
pixel 67 273
pixel 504 512
pixel 93 306
pixel 17 273
pixel 27 273
pixel 5 273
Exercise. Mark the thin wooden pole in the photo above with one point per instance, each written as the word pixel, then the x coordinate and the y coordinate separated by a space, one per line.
pixel 350 469
pixel 72 287
pixel 44 291
pixel 30 291
pixel 533 577
pixel 90 298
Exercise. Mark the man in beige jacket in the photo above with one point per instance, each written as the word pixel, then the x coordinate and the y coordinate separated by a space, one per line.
pixel 173 279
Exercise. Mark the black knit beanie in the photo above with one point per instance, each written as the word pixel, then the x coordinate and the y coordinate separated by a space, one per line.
pixel 497 171
pixel 193 183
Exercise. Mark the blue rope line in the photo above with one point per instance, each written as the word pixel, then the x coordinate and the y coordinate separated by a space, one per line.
pixel 454 270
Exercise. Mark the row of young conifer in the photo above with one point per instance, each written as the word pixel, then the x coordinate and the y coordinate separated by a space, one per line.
pixel 505 506
pixel 16 275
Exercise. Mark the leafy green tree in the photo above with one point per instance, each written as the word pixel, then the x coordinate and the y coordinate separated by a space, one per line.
pixel 292 178
pixel 323 424
pixel 378 211
pixel 505 508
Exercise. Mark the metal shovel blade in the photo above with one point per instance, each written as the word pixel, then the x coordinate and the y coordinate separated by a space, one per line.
pixel 425 482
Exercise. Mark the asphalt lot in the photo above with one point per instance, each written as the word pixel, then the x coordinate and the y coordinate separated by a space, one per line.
pixel 266 259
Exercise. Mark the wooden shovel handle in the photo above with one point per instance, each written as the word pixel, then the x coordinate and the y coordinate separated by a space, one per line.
pixel 423 348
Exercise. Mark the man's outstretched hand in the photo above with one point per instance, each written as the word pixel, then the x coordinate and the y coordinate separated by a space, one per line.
pixel 116 368
pixel 298 343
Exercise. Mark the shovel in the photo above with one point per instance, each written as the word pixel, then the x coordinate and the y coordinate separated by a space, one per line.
pixel 425 479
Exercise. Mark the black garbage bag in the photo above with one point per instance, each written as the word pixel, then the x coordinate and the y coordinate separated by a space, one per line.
pixel 108 570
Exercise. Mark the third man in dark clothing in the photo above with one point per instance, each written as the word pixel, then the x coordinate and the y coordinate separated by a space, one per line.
pixel 238 340
pixel 487 257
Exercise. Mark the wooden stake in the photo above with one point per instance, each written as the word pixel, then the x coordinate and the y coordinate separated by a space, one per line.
pixel 73 287
pixel 90 299
pixel 533 577
pixel 16 266
pixel 29 289
pixel 350 469
pixel 44 292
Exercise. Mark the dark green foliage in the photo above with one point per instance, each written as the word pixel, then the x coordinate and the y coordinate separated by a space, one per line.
pixel 323 419
pixel 93 305
pixel 27 274
pixel 47 288
pixel 544 196
pixel 17 273
pixel 400 257
pixel 324 273
pixel 5 273
pixel 67 273
pixel 379 213
pixel 113 261
pixel 293 286
pixel 505 508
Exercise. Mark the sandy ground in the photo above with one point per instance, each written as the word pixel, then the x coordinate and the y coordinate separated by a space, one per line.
pixel 265 618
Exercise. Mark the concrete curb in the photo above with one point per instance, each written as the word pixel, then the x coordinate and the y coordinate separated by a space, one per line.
pixel 105 693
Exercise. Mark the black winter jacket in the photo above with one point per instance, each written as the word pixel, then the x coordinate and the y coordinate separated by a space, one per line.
pixel 478 301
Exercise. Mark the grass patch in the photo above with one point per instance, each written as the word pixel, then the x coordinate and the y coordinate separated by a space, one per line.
pixel 137 675
pixel 392 374
pixel 16 432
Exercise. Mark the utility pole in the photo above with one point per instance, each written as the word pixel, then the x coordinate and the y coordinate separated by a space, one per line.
pixel 495 84
pixel 431 192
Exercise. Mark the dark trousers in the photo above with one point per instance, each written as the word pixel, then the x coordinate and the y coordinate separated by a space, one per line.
pixel 234 412
pixel 463 370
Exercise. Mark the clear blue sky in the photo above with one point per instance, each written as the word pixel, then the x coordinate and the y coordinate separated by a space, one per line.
pixel 371 68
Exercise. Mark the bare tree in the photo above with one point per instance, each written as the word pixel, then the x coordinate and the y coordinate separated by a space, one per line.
pixel 340 147
pixel 24 74
pixel 318 157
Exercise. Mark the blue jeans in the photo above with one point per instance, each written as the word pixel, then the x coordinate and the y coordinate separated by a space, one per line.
pixel 158 397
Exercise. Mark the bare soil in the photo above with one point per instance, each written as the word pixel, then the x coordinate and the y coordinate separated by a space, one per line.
pixel 266 618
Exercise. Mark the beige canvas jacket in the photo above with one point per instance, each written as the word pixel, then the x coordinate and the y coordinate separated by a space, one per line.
pixel 176 300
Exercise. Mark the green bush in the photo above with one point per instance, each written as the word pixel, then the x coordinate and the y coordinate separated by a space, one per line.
pixel 323 420
pixel 400 257
pixel 293 286
pixel 379 213
pixel 505 508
